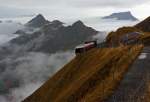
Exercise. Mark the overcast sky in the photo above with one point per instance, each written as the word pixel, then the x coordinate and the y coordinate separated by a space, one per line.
pixel 73 8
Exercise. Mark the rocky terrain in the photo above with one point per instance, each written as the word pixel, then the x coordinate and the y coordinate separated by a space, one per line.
pixel 38 21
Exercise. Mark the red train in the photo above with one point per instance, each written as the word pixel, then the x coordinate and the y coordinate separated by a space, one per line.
pixel 85 47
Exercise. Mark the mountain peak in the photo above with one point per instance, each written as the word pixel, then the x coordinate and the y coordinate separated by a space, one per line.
pixel 121 16
pixel 40 16
pixel 57 22
pixel 78 23
pixel 37 21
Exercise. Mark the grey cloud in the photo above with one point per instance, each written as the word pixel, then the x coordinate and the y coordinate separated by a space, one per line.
pixel 64 3
pixel 107 3
pixel 62 8
pixel 26 73
pixel 6 12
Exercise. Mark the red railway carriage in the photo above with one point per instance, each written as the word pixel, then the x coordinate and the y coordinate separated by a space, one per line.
pixel 95 42
pixel 85 47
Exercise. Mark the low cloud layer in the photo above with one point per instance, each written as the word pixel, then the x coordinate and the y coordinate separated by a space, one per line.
pixel 21 76
pixel 7 29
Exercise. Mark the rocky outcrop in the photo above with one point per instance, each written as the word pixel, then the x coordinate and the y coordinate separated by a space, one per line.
pixel 38 21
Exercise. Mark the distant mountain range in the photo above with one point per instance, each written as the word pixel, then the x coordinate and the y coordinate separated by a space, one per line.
pixel 121 16
pixel 52 36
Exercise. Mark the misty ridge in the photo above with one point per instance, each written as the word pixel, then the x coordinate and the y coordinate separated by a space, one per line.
pixel 35 54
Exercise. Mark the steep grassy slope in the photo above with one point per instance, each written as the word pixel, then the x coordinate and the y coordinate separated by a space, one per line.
pixel 145 38
pixel 144 25
pixel 113 37
pixel 147 94
pixel 89 77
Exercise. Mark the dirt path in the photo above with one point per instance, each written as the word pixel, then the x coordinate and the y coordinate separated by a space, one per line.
pixel 132 87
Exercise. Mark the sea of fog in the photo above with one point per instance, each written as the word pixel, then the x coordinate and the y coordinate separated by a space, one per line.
pixel 108 25
pixel 7 30
pixel 33 68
